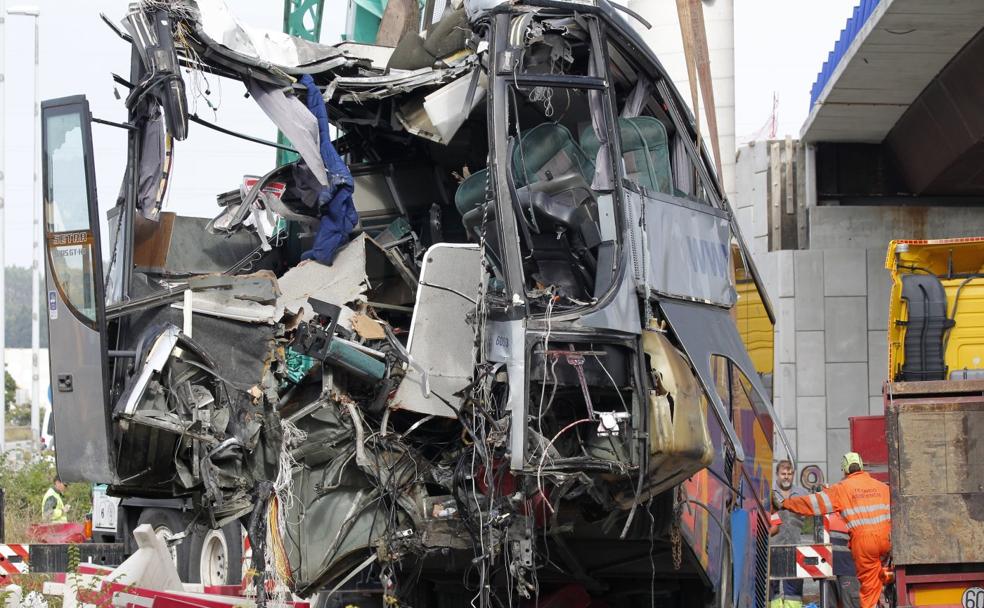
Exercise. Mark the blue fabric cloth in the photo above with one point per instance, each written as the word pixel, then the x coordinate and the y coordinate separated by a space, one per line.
pixel 335 205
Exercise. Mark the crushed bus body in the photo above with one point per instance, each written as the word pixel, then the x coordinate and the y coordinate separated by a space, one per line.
pixel 486 343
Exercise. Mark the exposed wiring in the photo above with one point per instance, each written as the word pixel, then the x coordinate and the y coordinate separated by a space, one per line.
pixel 543 458
pixel 448 289
pixel 618 391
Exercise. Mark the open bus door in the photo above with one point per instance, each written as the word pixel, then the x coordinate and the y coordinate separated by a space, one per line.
pixel 75 292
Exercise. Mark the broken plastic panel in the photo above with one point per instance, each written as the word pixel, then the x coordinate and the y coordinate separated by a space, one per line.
pixel 441 339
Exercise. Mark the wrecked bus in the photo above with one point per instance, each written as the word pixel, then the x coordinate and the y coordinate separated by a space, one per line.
pixel 480 342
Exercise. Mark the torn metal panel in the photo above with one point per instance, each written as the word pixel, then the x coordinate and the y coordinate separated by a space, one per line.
pixel 153 363
pixel 415 120
pixel 397 82
pixel 679 440
pixel 241 351
pixel 705 331
pixel 377 55
pixel 258 287
pixel 448 107
pixel 709 330
pixel 184 430
pixel 344 282
pixel 700 329
pixel 439 115
pixel 247 298
pixel 216 24
pixel 441 337
pixel 296 122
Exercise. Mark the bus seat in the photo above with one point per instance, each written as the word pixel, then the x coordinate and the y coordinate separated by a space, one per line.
pixel 645 151
pixel 548 150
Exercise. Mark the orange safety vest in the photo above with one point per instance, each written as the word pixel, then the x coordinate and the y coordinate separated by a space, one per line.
pixel 861 500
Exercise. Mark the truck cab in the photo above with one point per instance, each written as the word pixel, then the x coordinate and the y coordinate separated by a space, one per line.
pixel 491 324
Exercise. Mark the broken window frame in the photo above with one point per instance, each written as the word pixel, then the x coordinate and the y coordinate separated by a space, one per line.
pixel 738 394
pixel 61 235
pixel 626 39
pixel 503 77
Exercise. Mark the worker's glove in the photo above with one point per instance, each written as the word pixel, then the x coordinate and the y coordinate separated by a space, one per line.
pixel 777 499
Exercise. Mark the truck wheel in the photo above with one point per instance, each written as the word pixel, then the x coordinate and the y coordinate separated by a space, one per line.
pixel 167 523
pixel 217 556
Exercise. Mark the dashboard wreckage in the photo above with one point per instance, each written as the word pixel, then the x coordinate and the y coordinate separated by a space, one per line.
pixel 492 338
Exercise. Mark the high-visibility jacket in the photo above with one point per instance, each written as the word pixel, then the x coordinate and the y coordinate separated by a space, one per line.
pixel 862 501
pixel 53 507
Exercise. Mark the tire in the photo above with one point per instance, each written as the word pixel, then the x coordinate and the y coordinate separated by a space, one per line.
pixel 166 523
pixel 217 556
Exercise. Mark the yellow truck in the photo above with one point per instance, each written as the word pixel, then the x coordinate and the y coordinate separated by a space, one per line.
pixel 934 416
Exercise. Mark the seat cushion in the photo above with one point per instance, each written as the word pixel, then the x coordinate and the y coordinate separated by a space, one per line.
pixel 645 151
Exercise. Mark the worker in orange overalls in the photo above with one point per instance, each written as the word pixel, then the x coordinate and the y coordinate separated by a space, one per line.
pixel 863 502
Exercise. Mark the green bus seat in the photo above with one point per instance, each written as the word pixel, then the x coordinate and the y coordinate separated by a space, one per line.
pixel 548 151
pixel 645 151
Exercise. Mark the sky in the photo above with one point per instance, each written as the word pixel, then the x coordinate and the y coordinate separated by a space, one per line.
pixel 779 48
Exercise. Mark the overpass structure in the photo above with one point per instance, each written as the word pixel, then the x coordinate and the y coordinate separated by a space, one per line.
pixel 896 109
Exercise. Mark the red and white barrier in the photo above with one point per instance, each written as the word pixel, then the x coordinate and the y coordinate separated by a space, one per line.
pixel 13 559
pixel 814 561
pixel 147 579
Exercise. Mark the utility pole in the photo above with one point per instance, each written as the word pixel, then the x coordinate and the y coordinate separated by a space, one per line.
pixel 30 11
pixel 3 241
pixel 36 248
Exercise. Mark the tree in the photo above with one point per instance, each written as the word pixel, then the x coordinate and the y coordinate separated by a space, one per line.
pixel 17 415
pixel 9 389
